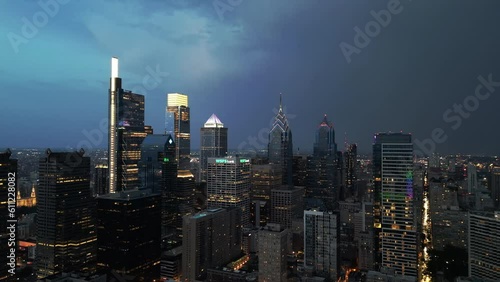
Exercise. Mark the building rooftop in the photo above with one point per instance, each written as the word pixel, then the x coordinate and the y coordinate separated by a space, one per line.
pixel 213 122
pixel 128 195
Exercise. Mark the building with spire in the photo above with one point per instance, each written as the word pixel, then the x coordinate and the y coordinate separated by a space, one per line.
pixel 213 139
pixel 280 147
pixel 325 139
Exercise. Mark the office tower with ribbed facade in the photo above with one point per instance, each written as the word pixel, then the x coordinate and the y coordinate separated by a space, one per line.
pixel 211 238
pixel 484 245
pixel 178 124
pixel 8 181
pixel 280 147
pixel 394 220
pixel 228 184
pixel 65 228
pixel 321 243
pixel 213 138
pixel 129 234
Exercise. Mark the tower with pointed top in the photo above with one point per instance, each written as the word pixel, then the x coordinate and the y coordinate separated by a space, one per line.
pixel 280 147
pixel 325 139
pixel 213 138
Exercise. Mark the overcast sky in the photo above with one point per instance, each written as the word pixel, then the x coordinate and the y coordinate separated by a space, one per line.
pixel 234 57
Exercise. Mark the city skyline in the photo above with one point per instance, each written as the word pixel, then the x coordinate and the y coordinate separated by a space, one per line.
pixel 225 54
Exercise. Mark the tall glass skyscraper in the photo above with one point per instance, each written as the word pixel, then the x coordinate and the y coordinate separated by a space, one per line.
pixel 280 148
pixel 178 124
pixel 325 139
pixel 126 133
pixel 394 219
pixel 213 138
pixel 66 230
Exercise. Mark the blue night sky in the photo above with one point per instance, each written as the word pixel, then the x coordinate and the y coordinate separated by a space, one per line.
pixel 54 80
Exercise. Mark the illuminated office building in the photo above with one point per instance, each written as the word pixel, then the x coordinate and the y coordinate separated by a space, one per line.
pixel 351 156
pixel 280 147
pixel 265 178
pixel 213 137
pixel 101 179
pixel 8 169
pixel 129 234
pixel 394 220
pixel 126 133
pixel 66 231
pixel 228 184
pixel 178 124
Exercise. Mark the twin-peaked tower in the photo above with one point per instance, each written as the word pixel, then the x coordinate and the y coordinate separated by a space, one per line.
pixel 280 148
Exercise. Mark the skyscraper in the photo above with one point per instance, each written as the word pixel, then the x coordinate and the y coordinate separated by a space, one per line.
pixel 273 251
pixel 156 150
pixel 213 137
pixel 322 166
pixel 211 238
pixel 494 185
pixel 321 243
pixel 101 179
pixel 66 231
pixel 265 178
pixel 115 88
pixel 471 178
pixel 128 233
pixel 394 222
pixel 126 132
pixel 325 139
pixel 8 179
pixel 484 246
pixel 287 205
pixel 177 123
pixel 228 185
pixel 351 156
pixel 280 147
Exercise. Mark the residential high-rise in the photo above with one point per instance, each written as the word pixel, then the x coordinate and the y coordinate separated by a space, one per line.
pixel 211 238
pixel 213 137
pixel 321 243
pixel 101 179
pixel 394 223
pixel 484 246
pixel 280 148
pixel 128 233
pixel 273 251
pixel 66 231
pixel 265 178
pixel 178 124
pixel 125 135
pixel 228 184
pixel 8 181
pixel 156 150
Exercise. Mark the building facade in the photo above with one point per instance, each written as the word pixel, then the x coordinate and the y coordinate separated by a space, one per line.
pixel 178 124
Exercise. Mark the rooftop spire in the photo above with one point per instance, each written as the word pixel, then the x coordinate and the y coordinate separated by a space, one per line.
pixel 281 99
